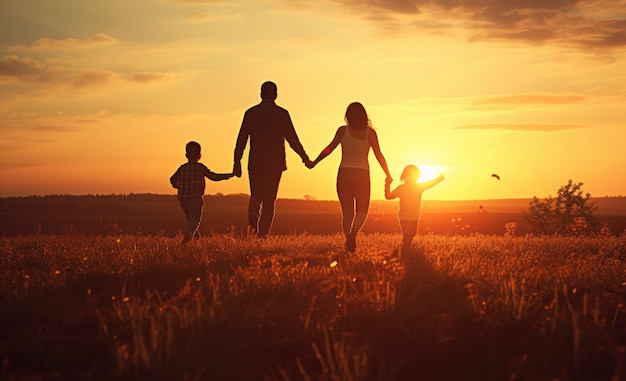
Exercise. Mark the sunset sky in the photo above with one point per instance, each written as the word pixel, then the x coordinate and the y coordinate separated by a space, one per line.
pixel 100 97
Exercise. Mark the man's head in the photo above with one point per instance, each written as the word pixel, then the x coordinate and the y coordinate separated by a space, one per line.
pixel 269 91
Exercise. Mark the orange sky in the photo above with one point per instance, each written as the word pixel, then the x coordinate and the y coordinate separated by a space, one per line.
pixel 101 97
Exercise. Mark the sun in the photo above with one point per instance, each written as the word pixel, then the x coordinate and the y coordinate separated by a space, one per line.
pixel 429 172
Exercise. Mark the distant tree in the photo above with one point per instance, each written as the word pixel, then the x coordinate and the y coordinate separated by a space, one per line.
pixel 308 197
pixel 570 213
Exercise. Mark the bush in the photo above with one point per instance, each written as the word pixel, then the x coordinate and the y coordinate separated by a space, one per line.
pixel 570 213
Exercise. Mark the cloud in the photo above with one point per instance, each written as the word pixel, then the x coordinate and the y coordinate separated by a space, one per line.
pixel 32 71
pixel 525 100
pixel 207 17
pixel 98 39
pixel 147 77
pixel 29 70
pixel 529 36
pixel 578 23
pixel 93 79
pixel 52 128
pixel 202 2
pixel 523 127
pixel 11 166
pixel 213 15
pixel 5 147
pixel 13 66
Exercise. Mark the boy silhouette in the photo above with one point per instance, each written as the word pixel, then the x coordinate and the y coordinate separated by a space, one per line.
pixel 189 180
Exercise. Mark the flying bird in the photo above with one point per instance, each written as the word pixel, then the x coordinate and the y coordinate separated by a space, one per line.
pixel 496 176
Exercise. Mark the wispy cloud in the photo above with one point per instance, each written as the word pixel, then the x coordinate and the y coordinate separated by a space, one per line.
pixel 526 101
pixel 93 79
pixel 522 127
pixel 29 70
pixel 148 77
pixel 207 17
pixel 577 23
pixel 201 2
pixel 10 166
pixel 512 100
pixel 98 39
pixel 53 128
pixel 21 68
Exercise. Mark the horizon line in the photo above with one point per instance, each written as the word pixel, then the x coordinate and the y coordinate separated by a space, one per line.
pixel 219 194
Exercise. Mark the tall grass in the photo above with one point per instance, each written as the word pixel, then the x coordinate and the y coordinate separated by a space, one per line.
pixel 299 307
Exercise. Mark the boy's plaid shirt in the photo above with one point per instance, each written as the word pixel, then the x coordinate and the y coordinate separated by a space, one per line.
pixel 189 180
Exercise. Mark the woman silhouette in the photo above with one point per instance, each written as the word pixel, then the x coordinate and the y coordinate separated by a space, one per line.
pixel 353 177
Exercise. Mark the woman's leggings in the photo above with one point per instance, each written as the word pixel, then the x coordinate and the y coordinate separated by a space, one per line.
pixel 353 189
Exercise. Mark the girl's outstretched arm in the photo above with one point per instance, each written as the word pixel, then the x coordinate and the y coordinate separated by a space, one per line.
pixel 331 147
pixel 431 183
pixel 373 138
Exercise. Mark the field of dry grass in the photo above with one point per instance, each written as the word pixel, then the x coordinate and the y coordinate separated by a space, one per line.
pixel 298 307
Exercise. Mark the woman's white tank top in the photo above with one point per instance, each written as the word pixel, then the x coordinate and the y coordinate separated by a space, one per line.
pixel 354 152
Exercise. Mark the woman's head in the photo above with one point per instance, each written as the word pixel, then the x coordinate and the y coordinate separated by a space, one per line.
pixel 410 174
pixel 356 116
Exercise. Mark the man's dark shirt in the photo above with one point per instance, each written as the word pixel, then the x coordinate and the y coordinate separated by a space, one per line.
pixel 267 125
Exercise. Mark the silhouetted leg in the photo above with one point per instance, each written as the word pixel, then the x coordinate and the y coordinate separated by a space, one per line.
pixel 362 197
pixel 346 200
pixel 409 229
pixel 268 201
pixel 254 208
pixel 353 187
pixel 361 184
pixel 193 212
pixel 256 178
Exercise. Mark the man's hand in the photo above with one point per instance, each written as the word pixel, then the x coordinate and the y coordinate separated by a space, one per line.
pixel 309 164
pixel 237 169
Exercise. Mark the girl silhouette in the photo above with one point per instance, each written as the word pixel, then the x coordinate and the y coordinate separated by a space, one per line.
pixel 410 195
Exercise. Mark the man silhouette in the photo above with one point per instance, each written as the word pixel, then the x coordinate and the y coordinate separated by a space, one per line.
pixel 267 125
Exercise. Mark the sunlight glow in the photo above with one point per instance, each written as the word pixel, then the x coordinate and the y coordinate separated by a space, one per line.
pixel 429 172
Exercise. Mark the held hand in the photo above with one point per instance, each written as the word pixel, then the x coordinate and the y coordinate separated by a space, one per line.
pixel 309 164
pixel 237 169
pixel 388 180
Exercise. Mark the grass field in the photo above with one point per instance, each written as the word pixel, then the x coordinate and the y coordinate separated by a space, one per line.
pixel 298 307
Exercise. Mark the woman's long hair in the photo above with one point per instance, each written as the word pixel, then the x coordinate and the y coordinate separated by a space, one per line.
pixel 356 116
